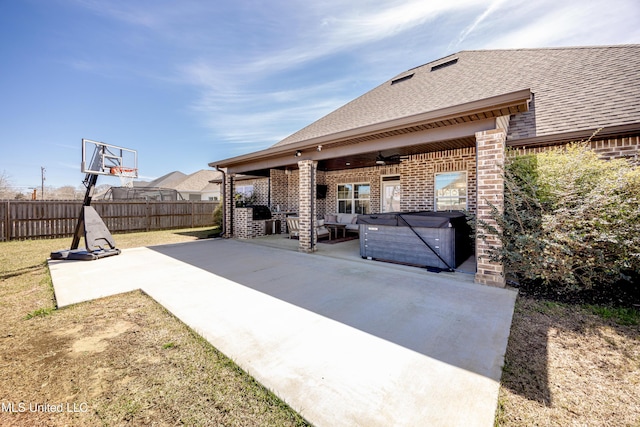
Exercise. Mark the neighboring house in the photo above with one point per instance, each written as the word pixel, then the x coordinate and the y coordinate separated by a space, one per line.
pixel 198 186
pixel 169 180
pixel 434 137
pixel 173 186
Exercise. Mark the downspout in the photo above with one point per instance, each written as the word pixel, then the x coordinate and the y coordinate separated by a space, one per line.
pixel 269 191
pixel 224 200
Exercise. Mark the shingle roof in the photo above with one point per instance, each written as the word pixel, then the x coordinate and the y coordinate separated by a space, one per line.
pixel 169 180
pixel 197 181
pixel 574 89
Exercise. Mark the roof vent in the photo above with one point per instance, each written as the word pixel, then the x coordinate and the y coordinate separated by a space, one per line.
pixel 401 79
pixel 444 64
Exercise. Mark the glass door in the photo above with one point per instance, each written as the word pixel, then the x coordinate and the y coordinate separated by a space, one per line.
pixel 390 195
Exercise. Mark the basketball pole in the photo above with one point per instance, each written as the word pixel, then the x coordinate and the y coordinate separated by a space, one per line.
pixel 90 181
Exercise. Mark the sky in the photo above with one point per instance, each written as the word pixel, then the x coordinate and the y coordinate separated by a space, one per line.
pixel 189 82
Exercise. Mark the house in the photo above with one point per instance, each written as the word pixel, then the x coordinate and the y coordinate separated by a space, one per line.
pixel 198 186
pixel 201 185
pixel 169 180
pixel 440 127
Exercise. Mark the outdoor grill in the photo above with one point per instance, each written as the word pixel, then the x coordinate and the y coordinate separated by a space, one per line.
pixel 429 239
pixel 260 212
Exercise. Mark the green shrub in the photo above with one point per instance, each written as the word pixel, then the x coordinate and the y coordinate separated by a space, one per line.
pixel 571 220
pixel 217 215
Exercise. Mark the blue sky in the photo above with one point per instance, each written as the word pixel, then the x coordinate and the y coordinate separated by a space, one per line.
pixel 188 82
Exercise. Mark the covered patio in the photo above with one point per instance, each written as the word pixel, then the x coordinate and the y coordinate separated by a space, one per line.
pixel 443 160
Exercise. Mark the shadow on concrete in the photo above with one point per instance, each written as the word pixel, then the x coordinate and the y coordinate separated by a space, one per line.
pixel 459 323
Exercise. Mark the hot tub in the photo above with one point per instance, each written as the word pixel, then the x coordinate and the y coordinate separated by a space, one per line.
pixel 428 239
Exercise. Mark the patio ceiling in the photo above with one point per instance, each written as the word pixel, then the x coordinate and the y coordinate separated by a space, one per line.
pixel 368 159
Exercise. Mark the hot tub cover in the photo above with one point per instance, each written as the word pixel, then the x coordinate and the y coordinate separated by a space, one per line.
pixel 426 219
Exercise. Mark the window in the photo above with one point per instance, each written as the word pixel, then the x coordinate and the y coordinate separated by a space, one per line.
pixel 451 191
pixel 244 195
pixel 354 198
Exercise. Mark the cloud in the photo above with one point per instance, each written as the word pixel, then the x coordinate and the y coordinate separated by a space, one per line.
pixel 147 13
pixel 348 30
pixel 260 71
pixel 265 96
pixel 493 7
pixel 246 118
pixel 551 24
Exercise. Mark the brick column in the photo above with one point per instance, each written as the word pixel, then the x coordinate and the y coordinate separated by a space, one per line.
pixel 490 149
pixel 307 205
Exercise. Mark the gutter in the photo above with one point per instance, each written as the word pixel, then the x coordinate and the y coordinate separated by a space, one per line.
pixel 575 136
pixel 224 199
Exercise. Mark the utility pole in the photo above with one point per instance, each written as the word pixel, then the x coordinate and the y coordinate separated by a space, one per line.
pixel 42 171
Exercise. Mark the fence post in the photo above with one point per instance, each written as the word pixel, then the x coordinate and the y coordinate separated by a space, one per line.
pixel 148 216
pixel 193 213
pixel 7 231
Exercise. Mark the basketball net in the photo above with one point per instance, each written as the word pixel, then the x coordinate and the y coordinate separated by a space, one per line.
pixel 126 175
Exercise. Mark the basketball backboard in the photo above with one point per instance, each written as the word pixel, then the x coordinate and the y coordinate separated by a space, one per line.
pixel 99 158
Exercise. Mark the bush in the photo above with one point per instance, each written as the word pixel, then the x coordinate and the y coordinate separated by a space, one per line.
pixel 571 220
pixel 217 215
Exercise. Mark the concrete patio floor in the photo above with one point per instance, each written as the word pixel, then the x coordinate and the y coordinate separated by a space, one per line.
pixel 343 341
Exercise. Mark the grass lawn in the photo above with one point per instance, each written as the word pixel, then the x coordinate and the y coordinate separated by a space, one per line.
pixel 121 360
pixel 124 360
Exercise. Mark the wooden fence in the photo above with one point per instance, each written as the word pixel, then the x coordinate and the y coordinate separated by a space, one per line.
pixel 26 219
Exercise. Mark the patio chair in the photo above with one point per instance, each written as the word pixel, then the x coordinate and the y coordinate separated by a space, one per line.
pixel 293 226
pixel 322 230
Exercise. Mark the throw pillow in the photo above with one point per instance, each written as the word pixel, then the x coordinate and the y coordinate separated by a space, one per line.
pixel 331 218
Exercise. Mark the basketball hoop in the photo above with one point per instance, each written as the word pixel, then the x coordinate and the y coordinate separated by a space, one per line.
pixel 126 175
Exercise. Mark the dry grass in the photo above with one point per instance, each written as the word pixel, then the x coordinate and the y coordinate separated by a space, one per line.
pixel 121 360
pixel 566 366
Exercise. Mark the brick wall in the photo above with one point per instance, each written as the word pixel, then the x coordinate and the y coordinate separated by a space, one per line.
pixel 619 148
pixel 417 177
pixel 523 125
pixel 416 180
pixel 610 148
pixel 371 175
pixel 241 223
pixel 284 189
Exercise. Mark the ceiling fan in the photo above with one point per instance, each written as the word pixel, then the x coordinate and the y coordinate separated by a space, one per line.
pixel 386 160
